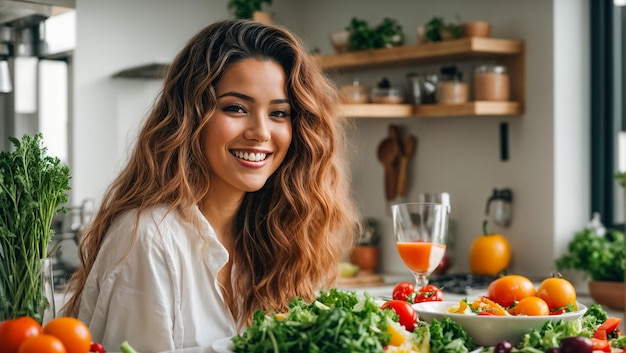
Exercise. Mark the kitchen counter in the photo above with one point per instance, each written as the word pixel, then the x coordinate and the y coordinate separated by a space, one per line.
pixel 386 291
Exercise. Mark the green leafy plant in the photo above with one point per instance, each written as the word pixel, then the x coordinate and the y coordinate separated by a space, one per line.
pixel 600 257
pixel 437 28
pixel 246 8
pixel 32 189
pixel 385 35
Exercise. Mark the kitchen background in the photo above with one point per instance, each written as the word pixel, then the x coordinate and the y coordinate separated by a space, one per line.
pixel 548 169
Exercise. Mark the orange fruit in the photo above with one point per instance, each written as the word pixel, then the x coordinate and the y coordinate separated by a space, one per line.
pixel 74 334
pixel 558 293
pixel 490 254
pixel 42 343
pixel 506 290
pixel 532 306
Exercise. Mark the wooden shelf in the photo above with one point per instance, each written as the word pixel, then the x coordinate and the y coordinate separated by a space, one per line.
pixel 376 110
pixel 429 110
pixel 458 48
pixel 147 71
pixel 470 108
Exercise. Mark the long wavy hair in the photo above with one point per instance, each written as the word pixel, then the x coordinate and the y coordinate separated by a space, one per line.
pixel 291 234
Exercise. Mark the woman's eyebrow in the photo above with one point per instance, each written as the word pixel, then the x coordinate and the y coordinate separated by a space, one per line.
pixel 250 99
pixel 238 95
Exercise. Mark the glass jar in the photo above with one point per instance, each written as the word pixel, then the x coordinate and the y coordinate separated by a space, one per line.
pixel 452 91
pixel 491 83
pixel 355 93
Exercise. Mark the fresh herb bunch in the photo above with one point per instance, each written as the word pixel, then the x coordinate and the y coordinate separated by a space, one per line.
pixel 32 189
pixel 245 8
pixel 387 34
pixel 601 257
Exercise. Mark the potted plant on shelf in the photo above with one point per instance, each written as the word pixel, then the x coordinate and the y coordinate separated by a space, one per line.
pixel 437 30
pixel 251 9
pixel 365 253
pixel 387 34
pixel 601 256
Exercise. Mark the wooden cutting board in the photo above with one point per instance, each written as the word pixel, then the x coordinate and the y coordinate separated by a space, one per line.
pixel 361 280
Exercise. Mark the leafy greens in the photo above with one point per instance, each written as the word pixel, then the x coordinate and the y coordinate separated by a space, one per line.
pixel 32 188
pixel 339 321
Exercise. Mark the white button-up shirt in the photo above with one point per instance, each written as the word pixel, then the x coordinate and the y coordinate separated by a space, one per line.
pixel 161 292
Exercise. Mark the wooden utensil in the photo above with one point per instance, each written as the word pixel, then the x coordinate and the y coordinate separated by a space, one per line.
pixel 409 150
pixel 388 153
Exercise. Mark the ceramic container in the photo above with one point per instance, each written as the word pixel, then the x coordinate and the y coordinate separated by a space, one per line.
pixel 476 29
pixel 608 293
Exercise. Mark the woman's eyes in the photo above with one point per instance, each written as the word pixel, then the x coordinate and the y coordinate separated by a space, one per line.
pixel 236 108
pixel 280 114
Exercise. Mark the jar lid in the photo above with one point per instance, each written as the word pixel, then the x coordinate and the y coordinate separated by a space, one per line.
pixel 497 69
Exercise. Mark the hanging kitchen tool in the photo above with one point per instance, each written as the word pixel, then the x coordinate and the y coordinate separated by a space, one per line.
pixel 409 150
pixel 502 210
pixel 388 153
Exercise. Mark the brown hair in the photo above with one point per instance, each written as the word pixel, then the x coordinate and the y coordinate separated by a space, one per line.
pixel 292 233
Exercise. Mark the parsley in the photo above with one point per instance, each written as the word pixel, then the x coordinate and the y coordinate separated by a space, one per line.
pixel 601 257
pixel 32 186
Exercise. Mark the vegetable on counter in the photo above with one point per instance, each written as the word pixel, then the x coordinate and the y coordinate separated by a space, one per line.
pixel 32 189
pixel 339 321
pixel 599 256
pixel 490 253
pixel 125 347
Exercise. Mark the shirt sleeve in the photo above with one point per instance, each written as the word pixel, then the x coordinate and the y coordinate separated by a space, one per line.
pixel 138 299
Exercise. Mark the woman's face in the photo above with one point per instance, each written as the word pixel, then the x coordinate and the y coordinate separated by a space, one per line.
pixel 247 137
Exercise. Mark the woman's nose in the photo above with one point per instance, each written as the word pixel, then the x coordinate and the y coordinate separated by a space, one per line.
pixel 258 128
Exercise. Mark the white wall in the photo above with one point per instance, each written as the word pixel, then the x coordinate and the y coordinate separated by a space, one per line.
pixel 548 166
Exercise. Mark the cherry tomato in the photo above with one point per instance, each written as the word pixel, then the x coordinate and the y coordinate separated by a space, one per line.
pixel 42 343
pixel 97 348
pixel 532 306
pixel 558 293
pixel 15 332
pixel 506 290
pixel 428 293
pixel 402 291
pixel 408 315
pixel 72 332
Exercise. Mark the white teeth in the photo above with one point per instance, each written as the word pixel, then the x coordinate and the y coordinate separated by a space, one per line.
pixel 253 157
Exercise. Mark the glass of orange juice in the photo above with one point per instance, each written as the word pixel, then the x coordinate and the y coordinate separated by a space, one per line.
pixel 421 230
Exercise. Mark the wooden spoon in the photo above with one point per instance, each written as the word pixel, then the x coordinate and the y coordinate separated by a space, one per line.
pixel 388 153
pixel 409 150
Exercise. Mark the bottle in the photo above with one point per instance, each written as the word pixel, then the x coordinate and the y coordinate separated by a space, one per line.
pixel 491 83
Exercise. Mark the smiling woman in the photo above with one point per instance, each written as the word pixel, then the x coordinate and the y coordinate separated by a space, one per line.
pixel 234 200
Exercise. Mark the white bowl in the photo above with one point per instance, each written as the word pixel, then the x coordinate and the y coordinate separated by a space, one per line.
pixel 491 330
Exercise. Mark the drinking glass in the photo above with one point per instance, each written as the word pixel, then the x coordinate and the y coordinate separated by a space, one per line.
pixel 421 230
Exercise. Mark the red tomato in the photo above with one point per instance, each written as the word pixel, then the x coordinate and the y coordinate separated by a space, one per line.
pixel 403 291
pixel 14 332
pixel 404 309
pixel 72 332
pixel 428 293
pixel 41 344
pixel 97 348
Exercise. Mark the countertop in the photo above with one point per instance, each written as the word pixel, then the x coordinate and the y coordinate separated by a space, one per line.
pixel 385 291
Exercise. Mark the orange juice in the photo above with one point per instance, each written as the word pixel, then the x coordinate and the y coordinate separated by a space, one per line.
pixel 421 257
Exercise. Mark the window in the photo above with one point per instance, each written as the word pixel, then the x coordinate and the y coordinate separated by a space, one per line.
pixel 608 118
